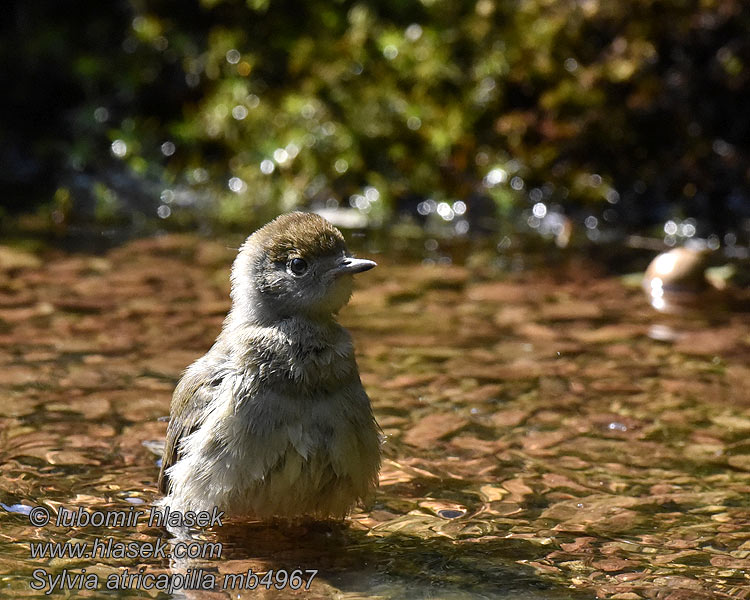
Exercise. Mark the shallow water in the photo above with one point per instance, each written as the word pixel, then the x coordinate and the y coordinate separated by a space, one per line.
pixel 549 434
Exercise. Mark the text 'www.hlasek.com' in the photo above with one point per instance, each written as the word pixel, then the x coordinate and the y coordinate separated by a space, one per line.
pixel 112 548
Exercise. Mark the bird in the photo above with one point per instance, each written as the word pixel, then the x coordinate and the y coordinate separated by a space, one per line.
pixel 273 422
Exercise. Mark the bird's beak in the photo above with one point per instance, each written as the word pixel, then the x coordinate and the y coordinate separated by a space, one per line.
pixel 350 266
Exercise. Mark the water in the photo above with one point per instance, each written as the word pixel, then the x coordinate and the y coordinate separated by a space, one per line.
pixel 550 435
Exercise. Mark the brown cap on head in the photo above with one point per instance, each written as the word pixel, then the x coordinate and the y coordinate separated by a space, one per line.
pixel 301 233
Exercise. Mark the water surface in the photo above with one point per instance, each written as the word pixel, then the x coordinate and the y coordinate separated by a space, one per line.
pixel 549 434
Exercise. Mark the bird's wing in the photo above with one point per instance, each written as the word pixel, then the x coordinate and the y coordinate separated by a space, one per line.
pixel 192 394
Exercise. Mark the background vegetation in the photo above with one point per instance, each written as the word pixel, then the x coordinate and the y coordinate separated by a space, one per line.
pixel 618 115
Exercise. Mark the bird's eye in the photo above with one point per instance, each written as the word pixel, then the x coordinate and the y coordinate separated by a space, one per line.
pixel 297 266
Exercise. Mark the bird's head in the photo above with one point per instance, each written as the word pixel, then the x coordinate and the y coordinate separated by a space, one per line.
pixel 296 265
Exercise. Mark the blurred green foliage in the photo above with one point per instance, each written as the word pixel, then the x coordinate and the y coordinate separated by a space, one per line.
pixel 234 110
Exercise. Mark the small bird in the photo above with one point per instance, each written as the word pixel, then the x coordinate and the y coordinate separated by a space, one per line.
pixel 273 420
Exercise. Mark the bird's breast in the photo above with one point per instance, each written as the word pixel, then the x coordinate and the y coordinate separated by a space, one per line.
pixel 301 362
